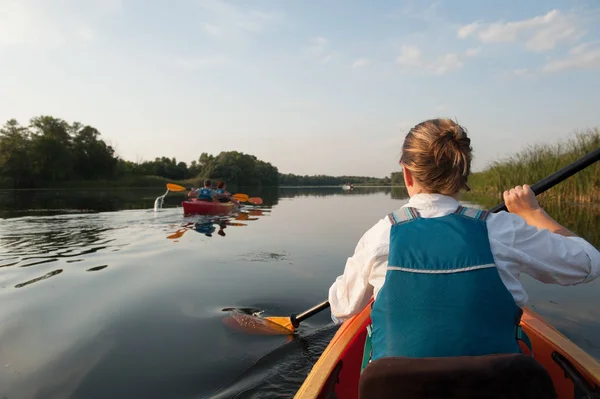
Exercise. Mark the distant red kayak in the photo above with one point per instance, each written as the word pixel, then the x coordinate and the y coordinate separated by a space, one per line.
pixel 207 208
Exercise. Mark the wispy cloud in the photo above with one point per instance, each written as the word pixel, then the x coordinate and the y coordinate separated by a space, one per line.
pixel 583 56
pixel 361 62
pixel 541 33
pixel 411 57
pixel 524 73
pixel 223 19
pixel 473 52
pixel 418 12
pixel 320 49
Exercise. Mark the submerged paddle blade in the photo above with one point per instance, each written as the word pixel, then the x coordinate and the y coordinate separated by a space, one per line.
pixel 241 197
pixel 251 324
pixel 255 200
pixel 175 187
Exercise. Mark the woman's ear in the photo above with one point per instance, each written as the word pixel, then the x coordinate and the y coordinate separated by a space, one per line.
pixel 408 178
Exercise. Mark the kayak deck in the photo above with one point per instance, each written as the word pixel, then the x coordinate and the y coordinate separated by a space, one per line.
pixel 339 366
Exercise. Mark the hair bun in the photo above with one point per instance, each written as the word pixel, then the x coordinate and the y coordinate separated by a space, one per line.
pixel 438 152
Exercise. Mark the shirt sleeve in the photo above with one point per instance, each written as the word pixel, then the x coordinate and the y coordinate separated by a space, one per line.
pixel 352 291
pixel 545 256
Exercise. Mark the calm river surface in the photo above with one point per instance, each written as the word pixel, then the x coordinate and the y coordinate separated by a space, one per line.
pixel 102 297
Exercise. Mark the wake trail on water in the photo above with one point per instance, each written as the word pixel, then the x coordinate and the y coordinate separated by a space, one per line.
pixel 280 372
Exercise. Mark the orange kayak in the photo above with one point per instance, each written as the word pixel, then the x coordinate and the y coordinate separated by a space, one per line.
pixel 338 369
pixel 207 208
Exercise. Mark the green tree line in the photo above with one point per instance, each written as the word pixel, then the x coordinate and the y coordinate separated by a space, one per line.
pixel 289 179
pixel 50 152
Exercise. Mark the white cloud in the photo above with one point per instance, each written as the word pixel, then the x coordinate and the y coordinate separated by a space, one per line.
pixel 361 62
pixel 472 52
pixel 541 33
pixel 328 57
pixel 466 30
pixel 320 49
pixel 412 57
pixel 583 56
pixel 223 19
pixel 446 63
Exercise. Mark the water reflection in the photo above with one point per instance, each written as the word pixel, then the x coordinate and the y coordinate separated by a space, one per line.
pixel 88 298
pixel 45 276
pixel 209 224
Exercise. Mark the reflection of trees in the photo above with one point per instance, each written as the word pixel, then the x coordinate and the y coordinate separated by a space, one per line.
pixel 47 202
pixel 399 192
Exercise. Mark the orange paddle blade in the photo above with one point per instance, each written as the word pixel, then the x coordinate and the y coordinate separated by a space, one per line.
pixel 256 325
pixel 241 197
pixel 284 322
pixel 242 216
pixel 175 187
pixel 255 200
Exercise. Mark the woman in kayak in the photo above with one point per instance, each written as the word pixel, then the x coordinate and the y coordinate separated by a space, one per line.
pixel 205 193
pixel 222 194
pixel 445 279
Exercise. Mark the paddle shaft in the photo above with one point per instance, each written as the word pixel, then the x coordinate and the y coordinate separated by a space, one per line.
pixel 296 319
pixel 537 188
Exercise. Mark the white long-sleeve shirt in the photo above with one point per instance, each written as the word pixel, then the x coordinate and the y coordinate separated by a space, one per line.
pixel 516 247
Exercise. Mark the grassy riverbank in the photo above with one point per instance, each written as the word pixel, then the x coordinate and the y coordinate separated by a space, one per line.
pixel 538 161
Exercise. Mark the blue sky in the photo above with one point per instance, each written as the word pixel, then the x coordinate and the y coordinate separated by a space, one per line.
pixel 311 86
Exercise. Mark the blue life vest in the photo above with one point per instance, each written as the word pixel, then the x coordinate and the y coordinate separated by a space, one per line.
pixel 220 191
pixel 442 294
pixel 205 194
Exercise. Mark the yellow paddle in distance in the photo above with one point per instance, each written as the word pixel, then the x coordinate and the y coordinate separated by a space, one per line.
pixel 176 187
pixel 239 197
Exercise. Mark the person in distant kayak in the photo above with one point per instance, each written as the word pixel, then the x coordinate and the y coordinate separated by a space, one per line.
pixel 222 195
pixel 205 193
pixel 444 278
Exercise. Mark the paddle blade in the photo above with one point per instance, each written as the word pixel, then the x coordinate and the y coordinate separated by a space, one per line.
pixel 256 325
pixel 241 197
pixel 177 234
pixel 242 216
pixel 284 322
pixel 255 200
pixel 175 187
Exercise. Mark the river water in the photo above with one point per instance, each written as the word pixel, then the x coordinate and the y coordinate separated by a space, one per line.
pixel 100 296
